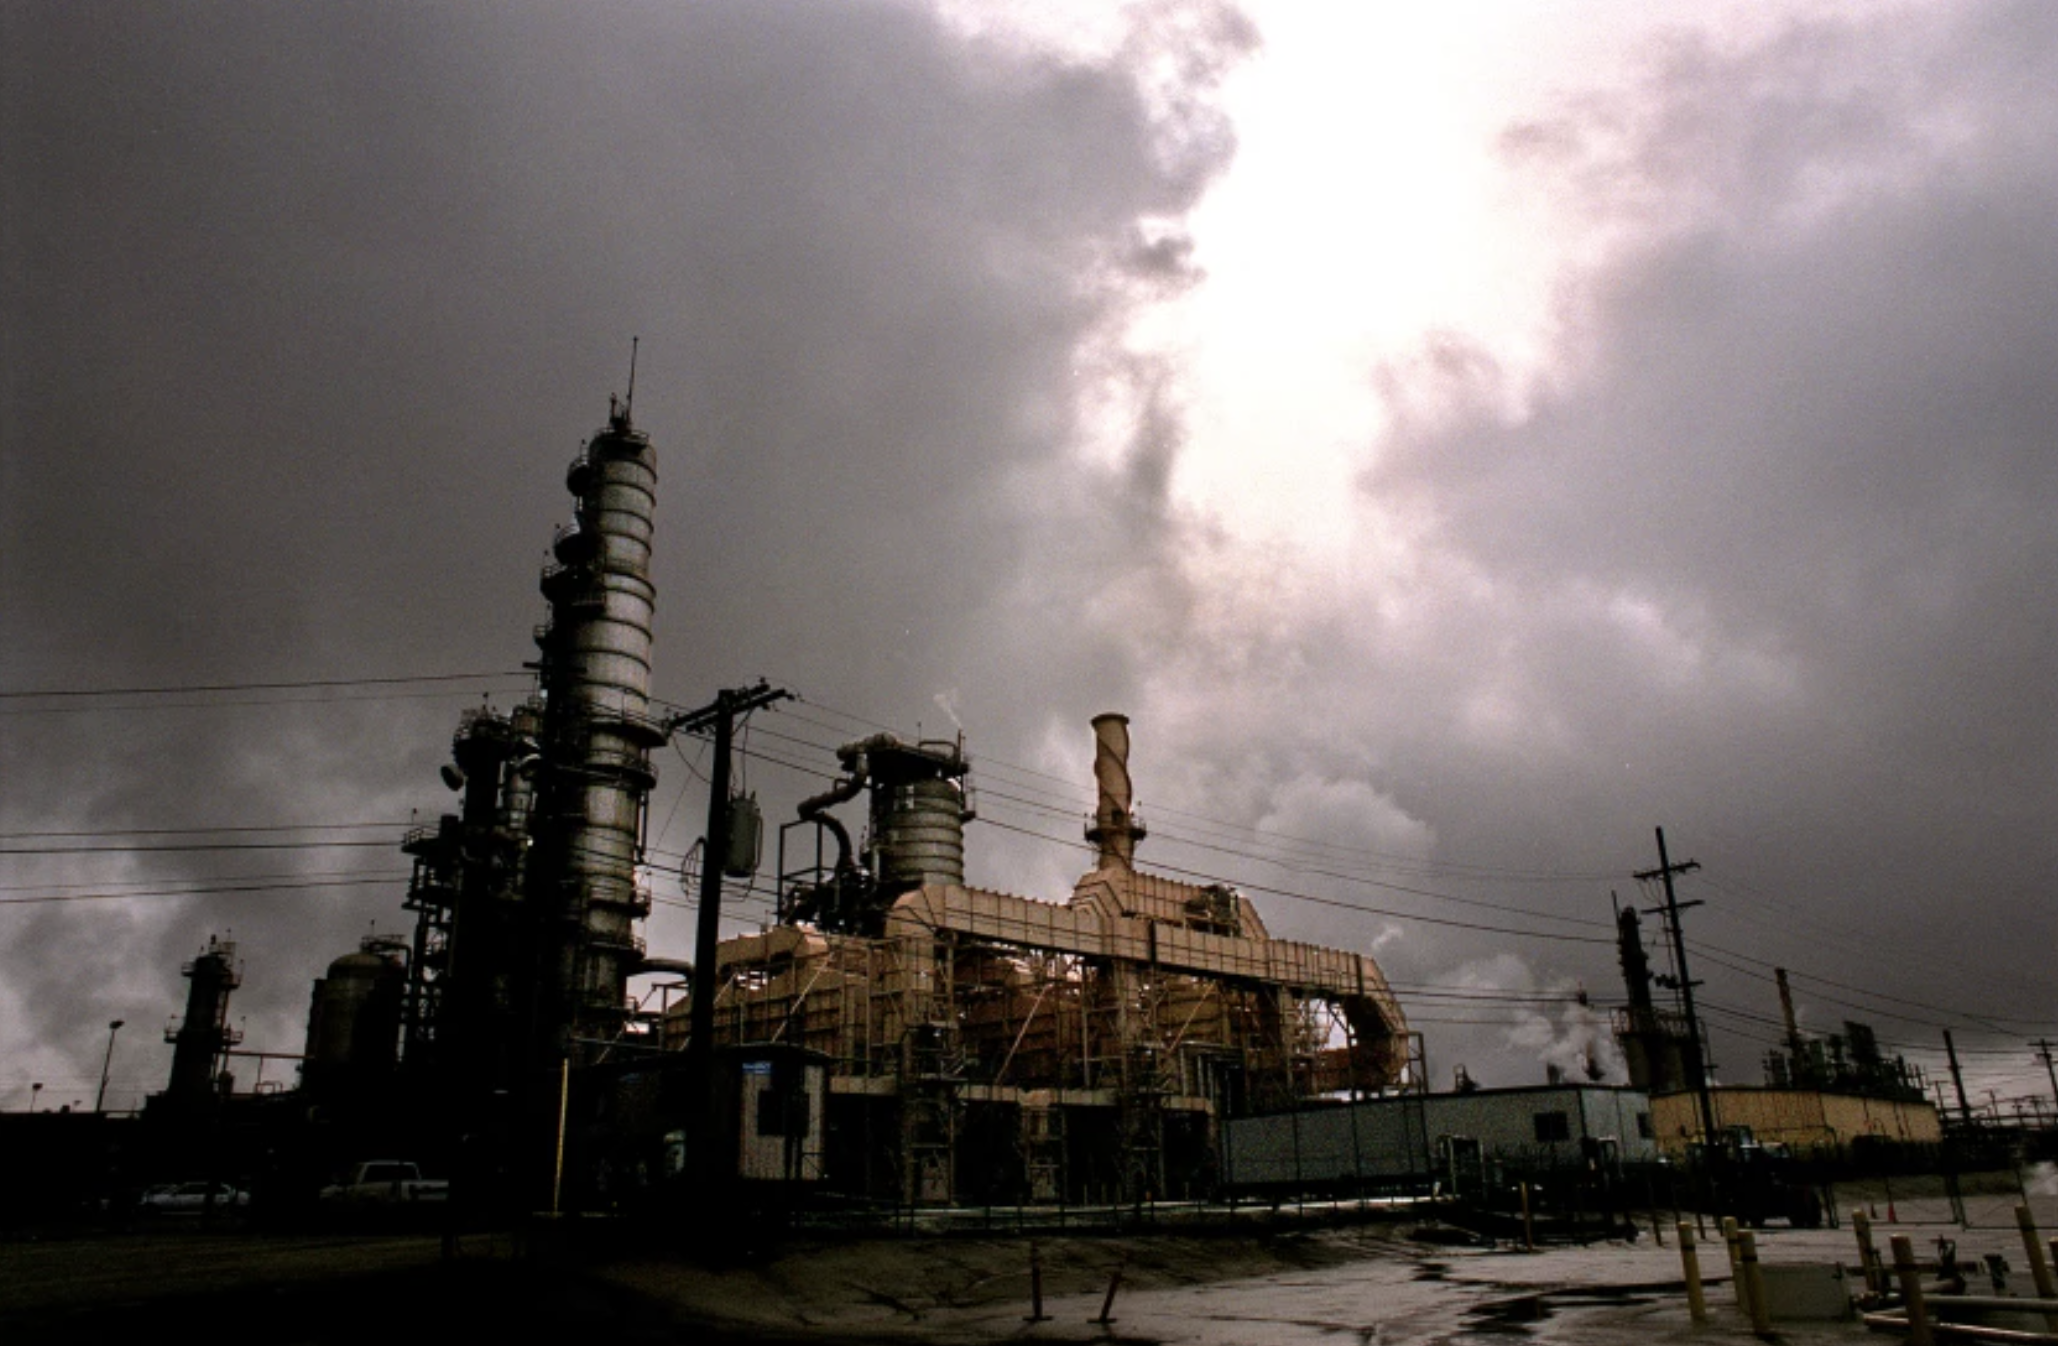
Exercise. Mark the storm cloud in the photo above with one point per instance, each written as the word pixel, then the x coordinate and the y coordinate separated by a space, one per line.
pixel 306 312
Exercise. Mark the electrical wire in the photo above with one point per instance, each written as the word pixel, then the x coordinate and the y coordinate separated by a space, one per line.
pixel 268 887
pixel 196 688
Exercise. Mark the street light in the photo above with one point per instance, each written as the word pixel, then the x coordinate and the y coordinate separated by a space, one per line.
pixel 107 1064
pixel 34 1089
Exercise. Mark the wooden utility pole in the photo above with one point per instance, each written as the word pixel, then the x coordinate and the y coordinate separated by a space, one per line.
pixel 1697 1065
pixel 1957 1080
pixel 2043 1046
pixel 719 717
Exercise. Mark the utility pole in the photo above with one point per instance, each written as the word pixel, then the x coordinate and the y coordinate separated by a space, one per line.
pixel 1957 1080
pixel 2043 1046
pixel 1698 1066
pixel 720 718
pixel 107 1066
pixel 1795 1067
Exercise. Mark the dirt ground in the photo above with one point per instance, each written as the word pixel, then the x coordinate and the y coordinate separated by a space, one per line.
pixel 1390 1282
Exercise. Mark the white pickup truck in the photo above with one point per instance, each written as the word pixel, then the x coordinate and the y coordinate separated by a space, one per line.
pixel 385 1182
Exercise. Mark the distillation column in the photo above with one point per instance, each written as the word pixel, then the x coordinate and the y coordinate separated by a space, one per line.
pixel 597 734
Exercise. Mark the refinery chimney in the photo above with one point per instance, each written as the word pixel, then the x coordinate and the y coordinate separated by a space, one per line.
pixel 596 737
pixel 1115 827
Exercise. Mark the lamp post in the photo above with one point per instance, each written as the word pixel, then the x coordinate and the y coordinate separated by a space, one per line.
pixel 106 1064
pixel 34 1089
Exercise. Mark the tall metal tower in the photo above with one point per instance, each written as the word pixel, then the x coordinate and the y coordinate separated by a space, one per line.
pixel 202 1039
pixel 596 735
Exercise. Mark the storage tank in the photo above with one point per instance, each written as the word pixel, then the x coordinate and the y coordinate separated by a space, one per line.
pixel 353 1021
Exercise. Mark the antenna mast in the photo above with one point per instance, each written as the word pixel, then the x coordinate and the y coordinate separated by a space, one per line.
pixel 630 400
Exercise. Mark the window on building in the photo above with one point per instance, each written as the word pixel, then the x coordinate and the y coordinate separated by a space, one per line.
pixel 1644 1128
pixel 1553 1126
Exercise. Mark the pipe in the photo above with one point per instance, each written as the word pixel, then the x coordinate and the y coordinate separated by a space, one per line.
pixel 1972 1330
pixel 814 810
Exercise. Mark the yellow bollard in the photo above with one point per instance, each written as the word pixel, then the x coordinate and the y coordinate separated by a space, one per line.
pixel 1690 1263
pixel 1736 1280
pixel 1754 1282
pixel 2039 1269
pixel 1911 1291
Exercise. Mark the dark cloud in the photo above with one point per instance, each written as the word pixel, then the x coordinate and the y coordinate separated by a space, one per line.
pixel 308 310
pixel 1769 557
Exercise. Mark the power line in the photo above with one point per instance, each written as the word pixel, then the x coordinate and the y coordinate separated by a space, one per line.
pixel 69 692
pixel 272 887
pixel 196 847
pixel 198 831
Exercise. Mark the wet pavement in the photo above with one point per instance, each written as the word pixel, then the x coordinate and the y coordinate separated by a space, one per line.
pixel 1389 1279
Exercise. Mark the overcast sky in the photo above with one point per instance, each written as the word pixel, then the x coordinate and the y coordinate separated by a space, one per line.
pixel 1462 442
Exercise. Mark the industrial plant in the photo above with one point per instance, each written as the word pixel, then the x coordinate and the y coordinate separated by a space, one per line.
pixel 893 1038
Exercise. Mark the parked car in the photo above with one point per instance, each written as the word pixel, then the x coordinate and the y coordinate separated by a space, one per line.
pixel 385 1182
pixel 193 1196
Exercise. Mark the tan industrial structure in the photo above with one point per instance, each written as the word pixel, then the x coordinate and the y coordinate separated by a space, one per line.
pixel 989 1047
pixel 1807 1121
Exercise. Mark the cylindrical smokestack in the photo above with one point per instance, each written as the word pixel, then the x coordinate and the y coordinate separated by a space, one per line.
pixel 1115 828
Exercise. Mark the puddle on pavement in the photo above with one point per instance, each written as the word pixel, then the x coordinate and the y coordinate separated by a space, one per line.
pixel 1517 1316
pixel 1507 1316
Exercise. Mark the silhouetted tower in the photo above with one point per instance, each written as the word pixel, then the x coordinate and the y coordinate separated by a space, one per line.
pixel 202 1039
pixel 596 734
pixel 1649 1037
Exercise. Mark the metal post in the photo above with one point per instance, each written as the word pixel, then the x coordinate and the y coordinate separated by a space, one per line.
pixel 1690 1263
pixel 1107 1306
pixel 1736 1276
pixel 564 1102
pixel 1528 1228
pixel 1036 1313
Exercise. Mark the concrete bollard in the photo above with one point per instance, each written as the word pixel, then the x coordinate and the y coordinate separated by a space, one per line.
pixel 1690 1263
pixel 1911 1291
pixel 2039 1269
pixel 1868 1255
pixel 1754 1282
